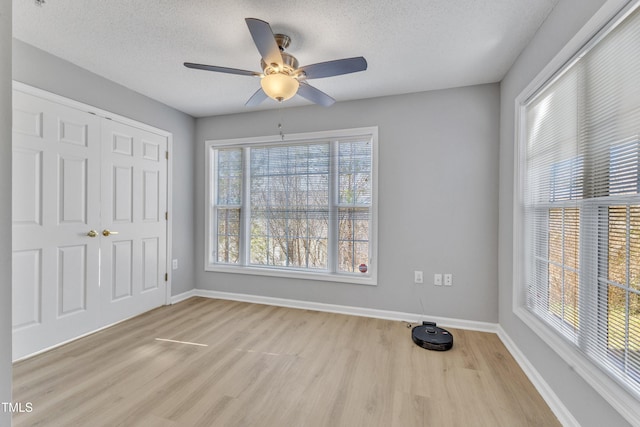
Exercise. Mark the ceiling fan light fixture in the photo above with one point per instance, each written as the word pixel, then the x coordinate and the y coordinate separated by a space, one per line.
pixel 281 78
pixel 279 86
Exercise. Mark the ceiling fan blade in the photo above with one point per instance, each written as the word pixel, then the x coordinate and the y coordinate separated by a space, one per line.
pixel 264 40
pixel 315 95
pixel 220 69
pixel 334 68
pixel 256 98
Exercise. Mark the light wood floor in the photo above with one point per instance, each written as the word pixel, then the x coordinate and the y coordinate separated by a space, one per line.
pixel 273 366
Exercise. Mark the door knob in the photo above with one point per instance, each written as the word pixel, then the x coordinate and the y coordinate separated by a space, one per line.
pixel 107 233
pixel 92 233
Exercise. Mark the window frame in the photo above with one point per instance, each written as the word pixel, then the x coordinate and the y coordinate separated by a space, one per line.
pixel 370 278
pixel 619 397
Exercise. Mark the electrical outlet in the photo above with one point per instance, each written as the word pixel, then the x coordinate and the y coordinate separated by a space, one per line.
pixel 417 277
pixel 437 279
pixel 175 264
pixel 448 279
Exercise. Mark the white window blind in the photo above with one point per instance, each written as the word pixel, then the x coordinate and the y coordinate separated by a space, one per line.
pixel 289 188
pixel 228 204
pixel 300 206
pixel 354 204
pixel 580 174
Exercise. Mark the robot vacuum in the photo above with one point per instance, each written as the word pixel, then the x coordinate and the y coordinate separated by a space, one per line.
pixel 431 337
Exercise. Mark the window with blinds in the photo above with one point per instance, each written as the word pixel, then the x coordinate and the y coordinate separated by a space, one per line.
pixel 228 204
pixel 300 206
pixel 580 201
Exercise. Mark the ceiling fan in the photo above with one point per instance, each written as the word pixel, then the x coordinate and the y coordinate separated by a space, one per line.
pixel 281 78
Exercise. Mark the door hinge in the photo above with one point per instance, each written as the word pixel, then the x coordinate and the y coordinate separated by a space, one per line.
pixel 166 216
pixel 166 155
pixel 166 277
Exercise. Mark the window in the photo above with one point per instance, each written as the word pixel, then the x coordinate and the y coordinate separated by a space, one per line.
pixel 579 198
pixel 304 207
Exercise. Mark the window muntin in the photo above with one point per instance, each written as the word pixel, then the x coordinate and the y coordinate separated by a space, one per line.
pixel 305 206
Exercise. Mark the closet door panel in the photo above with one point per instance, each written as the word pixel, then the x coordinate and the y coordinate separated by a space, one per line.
pixel 56 188
pixel 134 202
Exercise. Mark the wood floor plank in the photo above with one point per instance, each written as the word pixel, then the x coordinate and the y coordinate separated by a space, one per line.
pixel 259 365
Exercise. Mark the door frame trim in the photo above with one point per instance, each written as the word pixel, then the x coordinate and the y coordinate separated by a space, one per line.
pixel 68 102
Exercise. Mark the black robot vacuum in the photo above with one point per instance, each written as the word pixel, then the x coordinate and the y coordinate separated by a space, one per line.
pixel 431 337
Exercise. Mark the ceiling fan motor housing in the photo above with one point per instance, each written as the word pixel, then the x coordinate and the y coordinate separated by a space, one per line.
pixel 289 65
pixel 283 41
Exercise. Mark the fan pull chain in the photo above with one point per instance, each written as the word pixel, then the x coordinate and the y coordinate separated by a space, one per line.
pixel 280 128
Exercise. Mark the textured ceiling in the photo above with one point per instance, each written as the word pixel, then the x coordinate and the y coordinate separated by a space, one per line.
pixel 410 45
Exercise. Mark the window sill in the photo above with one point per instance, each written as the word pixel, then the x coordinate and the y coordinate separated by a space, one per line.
pixel 363 279
pixel 619 398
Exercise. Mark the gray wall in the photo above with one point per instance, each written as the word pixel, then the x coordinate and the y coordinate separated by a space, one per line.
pixel 5 208
pixel 438 200
pixel 42 70
pixel 585 404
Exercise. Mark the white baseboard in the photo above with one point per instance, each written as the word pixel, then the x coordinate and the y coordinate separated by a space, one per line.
pixel 560 411
pixel 183 296
pixel 340 309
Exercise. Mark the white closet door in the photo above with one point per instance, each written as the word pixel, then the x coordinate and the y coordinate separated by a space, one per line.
pixel 134 200
pixel 56 202
pixel 89 225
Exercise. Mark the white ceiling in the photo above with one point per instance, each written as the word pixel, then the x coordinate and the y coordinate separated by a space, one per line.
pixel 410 45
